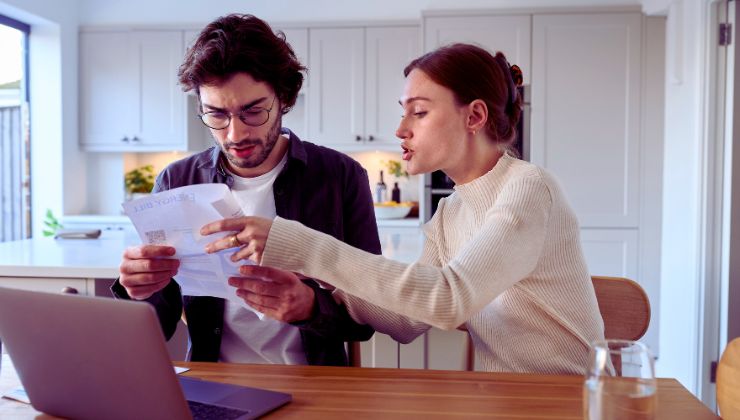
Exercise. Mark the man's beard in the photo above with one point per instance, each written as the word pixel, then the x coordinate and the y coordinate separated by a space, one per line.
pixel 268 144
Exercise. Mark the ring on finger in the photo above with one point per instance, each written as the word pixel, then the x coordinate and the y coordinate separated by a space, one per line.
pixel 234 241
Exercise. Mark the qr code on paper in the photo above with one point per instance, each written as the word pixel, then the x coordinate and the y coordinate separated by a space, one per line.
pixel 155 237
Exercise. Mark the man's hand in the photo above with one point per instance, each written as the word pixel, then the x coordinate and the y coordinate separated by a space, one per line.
pixel 276 293
pixel 146 269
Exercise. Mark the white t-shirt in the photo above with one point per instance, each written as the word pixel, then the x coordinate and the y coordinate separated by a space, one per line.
pixel 245 338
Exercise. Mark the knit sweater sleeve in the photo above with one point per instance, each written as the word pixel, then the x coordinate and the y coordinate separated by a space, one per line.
pixel 401 328
pixel 504 250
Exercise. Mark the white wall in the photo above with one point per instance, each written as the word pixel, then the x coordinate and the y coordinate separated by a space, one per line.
pixel 685 165
pixel 53 98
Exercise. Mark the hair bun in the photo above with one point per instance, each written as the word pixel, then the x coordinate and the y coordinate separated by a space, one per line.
pixel 516 75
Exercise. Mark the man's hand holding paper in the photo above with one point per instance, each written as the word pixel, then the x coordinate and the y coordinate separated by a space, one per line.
pixel 173 218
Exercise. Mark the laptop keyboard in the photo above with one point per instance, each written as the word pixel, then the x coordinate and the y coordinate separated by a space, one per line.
pixel 201 411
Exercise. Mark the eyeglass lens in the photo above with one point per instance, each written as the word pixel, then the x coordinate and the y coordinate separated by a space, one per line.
pixel 254 117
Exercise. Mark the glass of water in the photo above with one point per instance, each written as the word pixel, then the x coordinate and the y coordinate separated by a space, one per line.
pixel 620 383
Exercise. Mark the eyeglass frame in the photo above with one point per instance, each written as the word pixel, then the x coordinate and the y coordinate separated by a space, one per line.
pixel 231 116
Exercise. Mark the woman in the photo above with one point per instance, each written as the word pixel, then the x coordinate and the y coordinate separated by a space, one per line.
pixel 502 253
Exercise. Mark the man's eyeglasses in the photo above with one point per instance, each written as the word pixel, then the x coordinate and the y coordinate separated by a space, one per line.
pixel 253 117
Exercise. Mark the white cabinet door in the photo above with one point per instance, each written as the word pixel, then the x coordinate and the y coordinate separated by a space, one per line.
pixel 336 99
pixel 162 102
pixel 189 38
pixel 108 89
pixel 509 34
pixel 355 80
pixel 298 40
pixel 611 252
pixel 130 100
pixel 585 114
pixel 388 51
pixel 297 118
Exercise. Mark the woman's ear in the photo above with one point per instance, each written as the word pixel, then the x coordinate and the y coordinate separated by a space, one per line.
pixel 477 116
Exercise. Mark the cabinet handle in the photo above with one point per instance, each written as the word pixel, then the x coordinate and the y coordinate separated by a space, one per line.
pixel 125 139
pixel 358 138
pixel 371 138
pixel 136 139
pixel 70 290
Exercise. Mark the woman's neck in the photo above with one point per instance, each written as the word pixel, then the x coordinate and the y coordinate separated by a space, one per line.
pixel 479 160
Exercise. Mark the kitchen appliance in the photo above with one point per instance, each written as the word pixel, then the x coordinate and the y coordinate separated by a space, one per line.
pixel 437 185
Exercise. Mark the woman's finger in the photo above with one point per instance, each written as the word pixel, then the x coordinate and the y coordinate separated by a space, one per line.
pixel 225 225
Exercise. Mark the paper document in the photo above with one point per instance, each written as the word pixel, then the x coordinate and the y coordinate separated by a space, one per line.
pixel 174 218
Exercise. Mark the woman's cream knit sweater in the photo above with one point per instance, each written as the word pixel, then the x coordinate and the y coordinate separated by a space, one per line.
pixel 502 256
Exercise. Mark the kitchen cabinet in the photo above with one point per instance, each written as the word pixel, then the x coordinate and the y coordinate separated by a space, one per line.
pixel 510 34
pixel 84 286
pixel 298 40
pixel 585 118
pixel 130 100
pixel 104 223
pixel 436 349
pixel 297 119
pixel 88 265
pixel 611 252
pixel 355 80
pixel 588 73
pixel 590 127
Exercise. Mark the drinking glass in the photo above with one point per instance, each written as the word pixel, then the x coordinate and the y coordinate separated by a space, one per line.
pixel 620 383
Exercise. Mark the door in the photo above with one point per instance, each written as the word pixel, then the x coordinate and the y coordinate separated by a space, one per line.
pixel 388 51
pixel 162 105
pixel 585 114
pixel 108 84
pixel 336 91
pixel 511 35
pixel 297 118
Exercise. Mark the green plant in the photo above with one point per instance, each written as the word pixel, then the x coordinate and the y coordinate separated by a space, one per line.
pixel 52 224
pixel 394 168
pixel 140 180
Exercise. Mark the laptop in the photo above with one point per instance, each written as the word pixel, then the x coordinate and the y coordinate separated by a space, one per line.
pixel 99 358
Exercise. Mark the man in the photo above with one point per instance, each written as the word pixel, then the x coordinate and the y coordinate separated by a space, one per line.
pixel 246 78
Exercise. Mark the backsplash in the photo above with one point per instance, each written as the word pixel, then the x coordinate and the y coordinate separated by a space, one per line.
pixel 105 175
pixel 373 162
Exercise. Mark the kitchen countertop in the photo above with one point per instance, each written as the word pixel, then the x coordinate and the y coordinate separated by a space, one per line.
pixel 101 221
pixel 100 258
pixel 67 258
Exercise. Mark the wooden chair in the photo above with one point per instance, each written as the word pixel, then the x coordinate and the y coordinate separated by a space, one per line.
pixel 354 356
pixel 728 381
pixel 624 307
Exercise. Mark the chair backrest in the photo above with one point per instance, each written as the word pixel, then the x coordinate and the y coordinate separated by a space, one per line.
pixel 354 354
pixel 728 381
pixel 624 307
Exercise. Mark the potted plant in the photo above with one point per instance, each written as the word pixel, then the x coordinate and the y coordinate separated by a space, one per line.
pixel 52 224
pixel 139 181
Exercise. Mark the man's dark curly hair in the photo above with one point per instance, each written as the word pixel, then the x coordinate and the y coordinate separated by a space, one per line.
pixel 243 43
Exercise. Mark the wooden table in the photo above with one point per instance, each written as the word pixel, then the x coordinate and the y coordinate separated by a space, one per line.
pixel 328 392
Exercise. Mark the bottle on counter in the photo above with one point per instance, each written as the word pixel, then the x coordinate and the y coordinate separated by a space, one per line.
pixel 396 193
pixel 380 190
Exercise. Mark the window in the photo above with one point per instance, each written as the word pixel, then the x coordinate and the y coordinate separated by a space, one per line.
pixel 15 187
